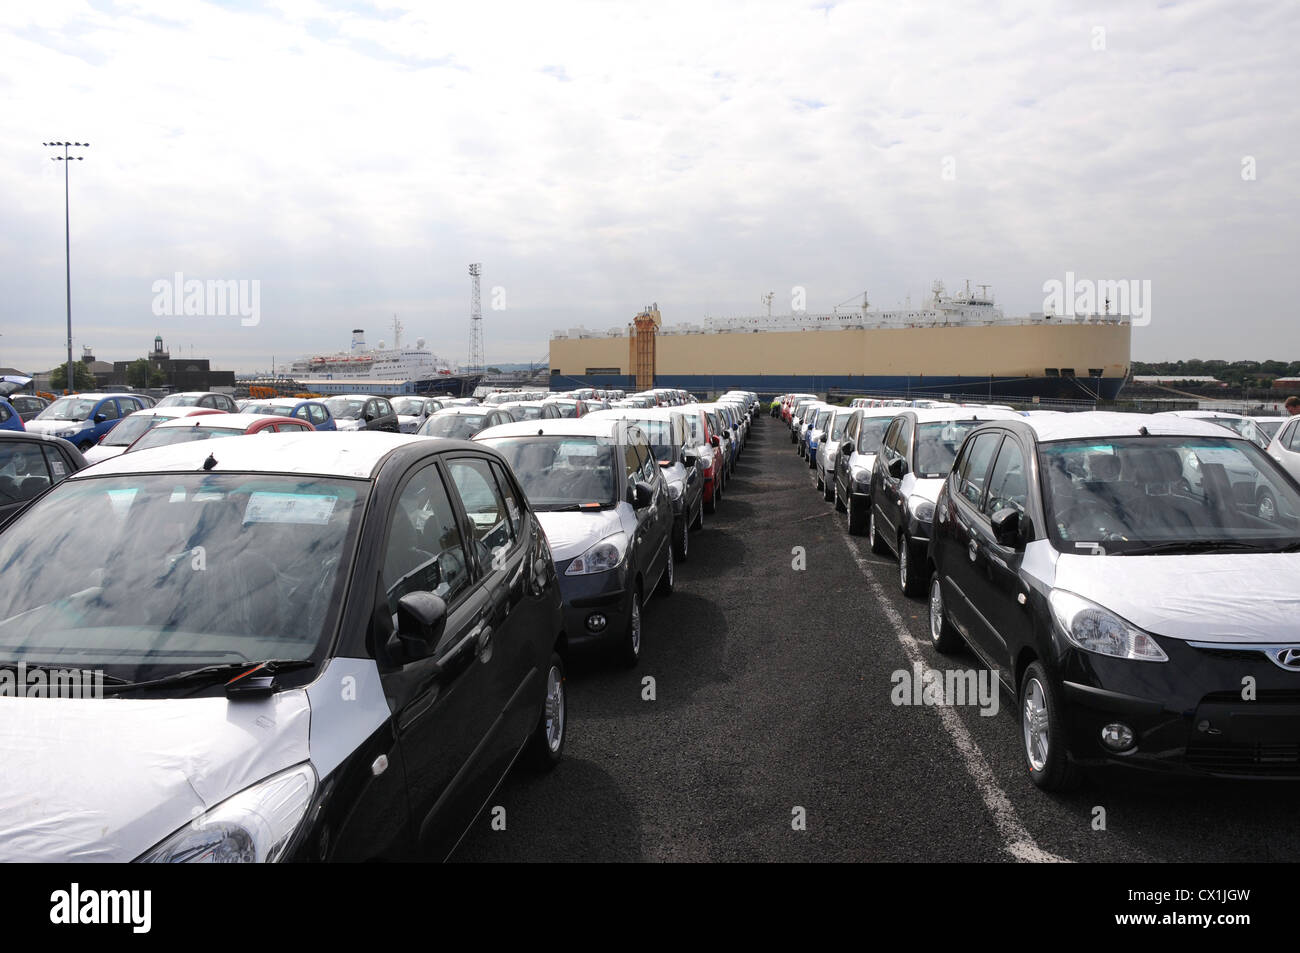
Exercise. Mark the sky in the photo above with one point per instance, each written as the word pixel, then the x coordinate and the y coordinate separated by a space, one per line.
pixel 352 159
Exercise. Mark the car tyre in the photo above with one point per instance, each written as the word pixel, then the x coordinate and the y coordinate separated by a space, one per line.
pixel 910 577
pixel 828 489
pixel 878 545
pixel 857 518
pixel 682 541
pixel 1042 733
pixel 546 746
pixel 666 580
pixel 943 634
pixel 630 648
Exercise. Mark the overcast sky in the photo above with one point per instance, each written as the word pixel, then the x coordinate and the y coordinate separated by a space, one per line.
pixel 354 158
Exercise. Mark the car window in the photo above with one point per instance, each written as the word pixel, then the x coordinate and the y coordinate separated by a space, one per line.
pixel 59 467
pixel 425 551
pixel 109 409
pixel 975 467
pixel 484 505
pixel 631 463
pixel 889 444
pixel 1293 439
pixel 1008 484
pixel 514 508
pixel 23 472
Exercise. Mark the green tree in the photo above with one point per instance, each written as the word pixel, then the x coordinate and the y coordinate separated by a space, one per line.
pixel 137 373
pixel 82 379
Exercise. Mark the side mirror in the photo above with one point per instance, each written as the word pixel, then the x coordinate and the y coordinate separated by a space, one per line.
pixel 727 434
pixel 715 441
pixel 896 467
pixel 644 495
pixel 846 448
pixel 100 418
pixel 1008 527
pixel 421 618
pixel 689 459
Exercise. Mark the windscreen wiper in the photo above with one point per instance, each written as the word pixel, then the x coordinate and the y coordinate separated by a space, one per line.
pixel 247 678
pixel 1196 546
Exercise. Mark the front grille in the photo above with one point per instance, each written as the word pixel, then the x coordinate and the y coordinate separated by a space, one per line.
pixel 1261 760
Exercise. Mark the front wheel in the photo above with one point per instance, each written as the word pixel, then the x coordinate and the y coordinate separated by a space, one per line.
pixel 874 540
pixel 682 543
pixel 910 576
pixel 629 651
pixel 857 515
pixel 666 580
pixel 1042 733
pixel 546 746
pixel 943 634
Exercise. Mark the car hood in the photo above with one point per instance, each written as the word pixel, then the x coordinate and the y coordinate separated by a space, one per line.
pixel 54 426
pixel 927 489
pixel 572 534
pixel 101 452
pixel 1203 597
pixel 106 779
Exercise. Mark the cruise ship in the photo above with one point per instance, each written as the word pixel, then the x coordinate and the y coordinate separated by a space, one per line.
pixel 396 365
pixel 957 345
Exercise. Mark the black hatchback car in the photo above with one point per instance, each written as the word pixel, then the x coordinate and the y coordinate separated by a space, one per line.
pixel 1118 573
pixel 315 646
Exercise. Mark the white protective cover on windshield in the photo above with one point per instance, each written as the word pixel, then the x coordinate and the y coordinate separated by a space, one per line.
pixel 106 779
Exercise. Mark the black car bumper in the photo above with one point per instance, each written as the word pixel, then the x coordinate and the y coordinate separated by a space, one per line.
pixel 591 598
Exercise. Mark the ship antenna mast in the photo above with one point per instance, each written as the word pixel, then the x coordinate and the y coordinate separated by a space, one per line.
pixel 397 333
pixel 767 300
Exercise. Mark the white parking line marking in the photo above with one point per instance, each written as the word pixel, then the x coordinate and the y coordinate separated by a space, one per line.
pixel 1019 842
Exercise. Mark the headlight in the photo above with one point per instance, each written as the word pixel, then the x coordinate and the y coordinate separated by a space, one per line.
pixel 921 508
pixel 65 433
pixel 1094 629
pixel 253 826
pixel 861 477
pixel 602 557
pixel 674 490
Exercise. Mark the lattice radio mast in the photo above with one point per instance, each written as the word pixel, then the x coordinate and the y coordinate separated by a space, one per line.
pixel 475 323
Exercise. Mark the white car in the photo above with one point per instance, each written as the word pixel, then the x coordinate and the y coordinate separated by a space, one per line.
pixel 135 425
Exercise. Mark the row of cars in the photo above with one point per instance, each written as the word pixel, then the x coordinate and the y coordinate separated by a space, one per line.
pixel 1128 577
pixel 329 646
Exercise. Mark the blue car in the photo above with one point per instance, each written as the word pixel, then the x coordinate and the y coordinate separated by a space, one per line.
pixel 81 419
pixel 312 411
pixel 10 419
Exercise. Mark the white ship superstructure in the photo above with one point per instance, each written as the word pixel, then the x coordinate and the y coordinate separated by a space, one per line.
pixel 399 362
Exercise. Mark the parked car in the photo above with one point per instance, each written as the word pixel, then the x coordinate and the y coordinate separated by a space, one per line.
pixel 855 462
pixel 569 407
pixel 412 412
pixel 10 419
pixel 362 412
pixel 665 428
pixel 134 425
pixel 707 447
pixel 212 427
pixel 1285 446
pixel 603 502
pixel 199 398
pixel 828 449
pixel 82 419
pixel 530 409
pixel 462 423
pixel 31 463
pixel 915 456
pixel 1124 605
pixel 357 671
pixel 313 411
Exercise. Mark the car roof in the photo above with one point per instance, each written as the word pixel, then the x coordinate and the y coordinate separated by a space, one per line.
pixel 94 395
pixel 1109 423
pixel 225 421
pixel 34 436
pixel 640 413
pixel 354 454
pixel 590 425
pixel 461 409
pixel 927 415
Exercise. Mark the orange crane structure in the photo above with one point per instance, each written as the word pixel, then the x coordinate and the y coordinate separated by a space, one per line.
pixel 641 344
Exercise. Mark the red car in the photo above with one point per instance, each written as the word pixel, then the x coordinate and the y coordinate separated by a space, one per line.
pixel 207 427
pixel 708 448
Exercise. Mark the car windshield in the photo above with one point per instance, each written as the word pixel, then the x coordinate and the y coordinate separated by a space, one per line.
pixel 345 408
pixel 68 408
pixel 268 408
pixel 125 433
pixel 174 571
pixel 660 434
pixel 180 400
pixel 562 472
pixel 524 411
pixel 937 444
pixel 837 428
pixel 1268 428
pixel 167 436
pixel 455 426
pixel 408 406
pixel 1127 494
pixel 566 408
pixel 870 433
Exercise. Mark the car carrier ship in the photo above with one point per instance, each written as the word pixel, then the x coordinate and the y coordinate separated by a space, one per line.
pixel 959 345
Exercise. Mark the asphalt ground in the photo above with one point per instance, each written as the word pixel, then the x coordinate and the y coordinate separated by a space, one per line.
pixel 772 735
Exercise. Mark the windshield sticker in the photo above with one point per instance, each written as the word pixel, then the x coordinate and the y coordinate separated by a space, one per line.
pixel 572 449
pixel 295 508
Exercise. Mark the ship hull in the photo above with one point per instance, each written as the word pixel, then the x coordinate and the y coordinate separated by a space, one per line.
pixel 1067 360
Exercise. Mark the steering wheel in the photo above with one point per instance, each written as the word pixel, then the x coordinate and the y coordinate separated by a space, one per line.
pixel 1079 512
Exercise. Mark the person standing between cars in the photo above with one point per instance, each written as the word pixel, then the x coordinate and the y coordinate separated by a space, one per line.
pixel 1292 405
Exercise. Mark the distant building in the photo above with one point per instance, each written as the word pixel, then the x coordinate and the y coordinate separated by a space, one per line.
pixel 1289 384
pixel 1201 380
pixel 181 374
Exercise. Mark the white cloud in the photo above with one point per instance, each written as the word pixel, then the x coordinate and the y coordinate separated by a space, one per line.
pixel 355 157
